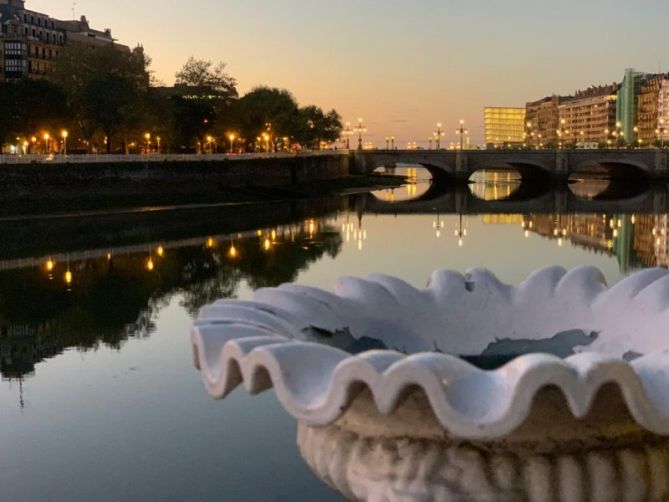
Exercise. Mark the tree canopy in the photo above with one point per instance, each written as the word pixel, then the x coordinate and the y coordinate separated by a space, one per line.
pixel 104 95
pixel 203 74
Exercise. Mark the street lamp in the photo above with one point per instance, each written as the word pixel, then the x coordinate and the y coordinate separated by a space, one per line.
pixel 462 132
pixel 529 133
pixel 360 129
pixel 232 137
pixel 637 140
pixel 392 142
pixel 64 134
pixel 439 134
pixel 265 136
pixel 347 135
pixel 562 132
pixel 46 137
pixel 429 139
pixel 147 137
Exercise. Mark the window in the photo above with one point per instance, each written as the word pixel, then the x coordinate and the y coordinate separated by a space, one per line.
pixel 14 66
pixel 14 49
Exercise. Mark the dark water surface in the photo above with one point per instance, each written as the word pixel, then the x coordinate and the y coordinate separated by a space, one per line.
pixel 99 399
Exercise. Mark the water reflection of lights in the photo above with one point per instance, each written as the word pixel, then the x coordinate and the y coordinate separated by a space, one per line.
pixel 233 252
pixel 351 233
pixel 494 185
pixel 267 244
pixel 160 251
pixel 50 265
pixel 438 226
pixel 461 232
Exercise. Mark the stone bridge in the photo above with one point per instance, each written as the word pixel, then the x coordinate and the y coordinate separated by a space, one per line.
pixel 541 165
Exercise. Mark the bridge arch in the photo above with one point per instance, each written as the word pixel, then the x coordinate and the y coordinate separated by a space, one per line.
pixel 528 169
pixel 615 169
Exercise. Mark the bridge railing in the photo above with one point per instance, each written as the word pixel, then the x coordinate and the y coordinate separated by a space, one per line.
pixel 103 158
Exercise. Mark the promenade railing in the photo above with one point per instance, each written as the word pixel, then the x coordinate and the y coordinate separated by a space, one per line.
pixel 102 158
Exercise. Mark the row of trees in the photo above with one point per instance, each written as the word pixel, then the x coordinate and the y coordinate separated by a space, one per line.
pixel 104 99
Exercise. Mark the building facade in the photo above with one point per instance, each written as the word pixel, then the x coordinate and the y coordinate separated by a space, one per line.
pixel 31 41
pixel 589 116
pixel 504 126
pixel 628 104
pixel 651 119
pixel 542 120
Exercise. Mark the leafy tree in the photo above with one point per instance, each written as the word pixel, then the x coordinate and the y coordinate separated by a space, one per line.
pixel 110 102
pixel 192 120
pixel 203 74
pixel 29 106
pixel 78 64
pixel 266 109
pixel 317 126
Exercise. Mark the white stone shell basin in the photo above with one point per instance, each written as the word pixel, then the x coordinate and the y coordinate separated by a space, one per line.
pixel 267 342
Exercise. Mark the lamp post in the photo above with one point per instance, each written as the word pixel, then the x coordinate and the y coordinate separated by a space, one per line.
pixel 47 138
pixel 147 137
pixel 637 140
pixel 438 135
pixel 619 135
pixel 232 137
pixel 562 132
pixel 64 134
pixel 360 129
pixel 158 140
pixel 387 142
pixel 347 134
pixel 429 139
pixel 392 142
pixel 462 132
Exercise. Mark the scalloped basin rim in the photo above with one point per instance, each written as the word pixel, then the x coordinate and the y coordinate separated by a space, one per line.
pixel 263 344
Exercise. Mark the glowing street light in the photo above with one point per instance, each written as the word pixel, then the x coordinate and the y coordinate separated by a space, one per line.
pixel 232 137
pixel 462 132
pixel 46 138
pixel 360 129
pixel 147 137
pixel 438 135
pixel 64 134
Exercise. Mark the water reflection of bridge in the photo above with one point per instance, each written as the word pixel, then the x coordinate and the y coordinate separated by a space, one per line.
pixel 461 200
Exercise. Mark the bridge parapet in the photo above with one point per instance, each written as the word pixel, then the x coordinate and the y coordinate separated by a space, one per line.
pixel 556 165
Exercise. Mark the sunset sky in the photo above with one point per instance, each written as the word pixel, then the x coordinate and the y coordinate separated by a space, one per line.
pixel 402 65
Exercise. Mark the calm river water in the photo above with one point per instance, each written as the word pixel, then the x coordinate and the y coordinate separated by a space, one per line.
pixel 99 399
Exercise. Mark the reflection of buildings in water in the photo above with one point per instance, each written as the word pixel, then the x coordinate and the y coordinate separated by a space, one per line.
pixel 418 181
pixel 635 240
pixel 662 241
pixel 590 231
pixel 494 185
pixel 651 239
pixel 503 219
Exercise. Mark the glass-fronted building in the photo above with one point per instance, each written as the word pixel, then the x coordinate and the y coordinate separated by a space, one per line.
pixel 627 104
pixel 504 126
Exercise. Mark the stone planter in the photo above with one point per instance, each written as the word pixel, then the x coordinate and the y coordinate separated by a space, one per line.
pixel 555 389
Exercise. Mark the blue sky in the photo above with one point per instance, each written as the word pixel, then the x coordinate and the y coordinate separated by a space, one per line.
pixel 400 64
